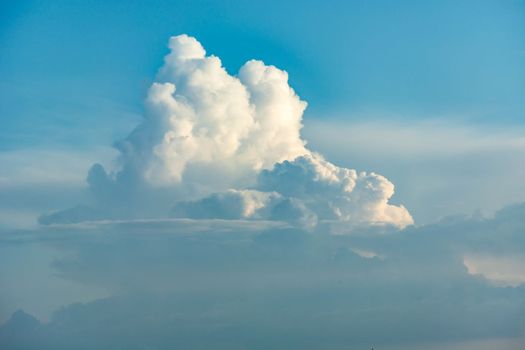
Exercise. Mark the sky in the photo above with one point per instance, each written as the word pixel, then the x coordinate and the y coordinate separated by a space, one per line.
pixel 74 77
pixel 249 174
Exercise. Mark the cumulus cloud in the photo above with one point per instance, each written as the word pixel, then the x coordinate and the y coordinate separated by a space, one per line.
pixel 197 115
pixel 215 145
pixel 335 193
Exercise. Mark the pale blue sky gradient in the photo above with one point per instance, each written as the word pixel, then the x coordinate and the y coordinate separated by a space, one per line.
pixel 69 65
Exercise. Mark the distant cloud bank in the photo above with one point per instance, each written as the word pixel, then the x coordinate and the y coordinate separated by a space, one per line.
pixel 254 284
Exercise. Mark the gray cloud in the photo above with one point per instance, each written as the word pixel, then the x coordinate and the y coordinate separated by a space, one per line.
pixel 259 284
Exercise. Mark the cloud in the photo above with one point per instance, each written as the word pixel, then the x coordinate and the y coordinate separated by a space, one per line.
pixel 231 204
pixel 305 190
pixel 201 283
pixel 500 270
pixel 33 181
pixel 214 145
pixel 247 204
pixel 199 115
pixel 335 193
pixel 440 168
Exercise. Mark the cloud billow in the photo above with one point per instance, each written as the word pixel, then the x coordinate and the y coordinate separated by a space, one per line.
pixel 210 140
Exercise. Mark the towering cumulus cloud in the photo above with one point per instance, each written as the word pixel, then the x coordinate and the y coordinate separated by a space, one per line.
pixel 213 145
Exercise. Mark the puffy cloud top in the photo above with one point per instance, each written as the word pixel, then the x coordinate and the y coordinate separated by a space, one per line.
pixel 200 116
pixel 223 146
pixel 336 193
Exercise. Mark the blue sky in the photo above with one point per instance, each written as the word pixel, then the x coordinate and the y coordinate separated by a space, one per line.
pixel 348 60
pixel 150 192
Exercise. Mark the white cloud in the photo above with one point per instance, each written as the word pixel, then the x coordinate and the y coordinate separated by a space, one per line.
pixel 503 271
pixel 335 193
pixel 211 143
pixel 199 115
